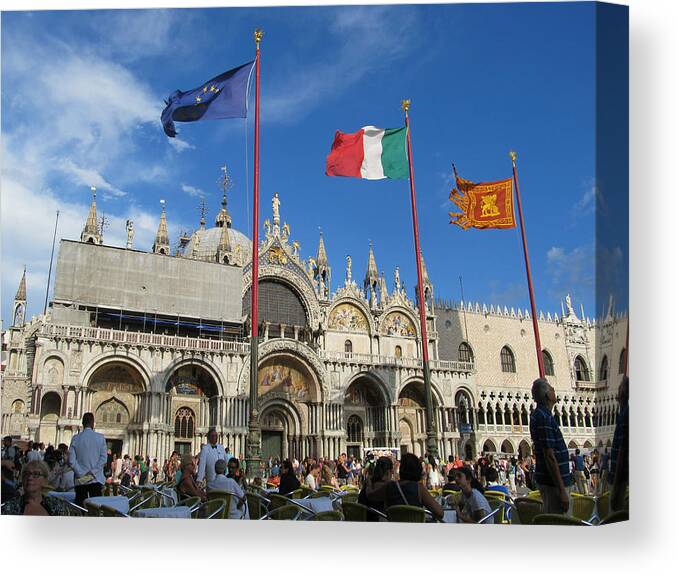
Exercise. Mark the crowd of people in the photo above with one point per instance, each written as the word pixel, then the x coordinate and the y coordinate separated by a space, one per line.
pixel 86 467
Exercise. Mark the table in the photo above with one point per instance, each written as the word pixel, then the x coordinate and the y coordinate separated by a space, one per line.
pixel 179 512
pixel 317 504
pixel 67 495
pixel 449 516
pixel 118 502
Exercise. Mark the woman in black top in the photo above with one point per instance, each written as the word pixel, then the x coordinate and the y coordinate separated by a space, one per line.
pixel 380 474
pixel 288 480
pixel 408 490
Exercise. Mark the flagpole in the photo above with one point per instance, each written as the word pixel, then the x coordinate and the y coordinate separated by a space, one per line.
pixel 431 441
pixel 254 432
pixel 51 259
pixel 533 307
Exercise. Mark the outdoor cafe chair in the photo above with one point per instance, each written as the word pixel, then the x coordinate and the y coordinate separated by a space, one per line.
pixel 286 512
pixel 557 519
pixel 296 494
pixel 257 504
pixel 93 510
pixel 406 514
pixel 358 512
pixel 616 517
pixel 327 516
pixel 315 494
pixel 193 503
pixel 490 515
pixel 349 496
pixel 603 505
pixel 498 504
pixel 527 509
pixel 108 511
pixel 534 495
pixel 228 496
pixel 211 509
pixel 584 508
pixel 305 491
pixel 278 500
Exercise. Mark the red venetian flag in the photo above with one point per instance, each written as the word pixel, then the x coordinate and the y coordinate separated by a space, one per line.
pixel 483 205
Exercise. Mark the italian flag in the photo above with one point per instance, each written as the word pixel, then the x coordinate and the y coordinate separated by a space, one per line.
pixel 371 153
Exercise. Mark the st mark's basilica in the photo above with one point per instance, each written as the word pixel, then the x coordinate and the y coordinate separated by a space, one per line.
pixel 156 345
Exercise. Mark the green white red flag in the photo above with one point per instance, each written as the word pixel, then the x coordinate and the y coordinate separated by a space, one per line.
pixel 370 153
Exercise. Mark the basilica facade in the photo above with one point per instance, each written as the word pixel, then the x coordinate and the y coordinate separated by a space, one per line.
pixel 156 345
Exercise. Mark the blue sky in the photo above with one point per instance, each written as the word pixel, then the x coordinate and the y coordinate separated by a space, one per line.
pixel 83 91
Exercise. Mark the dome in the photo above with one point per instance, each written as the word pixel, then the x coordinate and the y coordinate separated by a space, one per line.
pixel 207 241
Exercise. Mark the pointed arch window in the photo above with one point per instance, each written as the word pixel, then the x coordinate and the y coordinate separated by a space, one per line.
pixel 348 346
pixel 465 352
pixel 548 362
pixel 581 369
pixel 602 374
pixel 508 361
pixel 184 423
pixel 354 429
pixel 622 360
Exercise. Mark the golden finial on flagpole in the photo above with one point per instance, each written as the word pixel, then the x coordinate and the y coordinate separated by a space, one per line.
pixel 513 156
pixel 405 105
pixel 258 35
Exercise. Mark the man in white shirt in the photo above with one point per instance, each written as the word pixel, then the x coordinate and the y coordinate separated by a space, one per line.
pixel 222 483
pixel 210 453
pixel 87 456
pixel 34 454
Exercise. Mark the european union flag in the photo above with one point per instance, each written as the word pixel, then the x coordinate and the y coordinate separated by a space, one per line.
pixel 222 97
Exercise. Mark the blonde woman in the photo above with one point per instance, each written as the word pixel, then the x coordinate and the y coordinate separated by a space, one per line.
pixel 33 479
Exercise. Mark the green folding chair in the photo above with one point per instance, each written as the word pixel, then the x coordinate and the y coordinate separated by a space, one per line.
pixel 284 513
pixel 556 519
pixel 406 514
pixel 527 509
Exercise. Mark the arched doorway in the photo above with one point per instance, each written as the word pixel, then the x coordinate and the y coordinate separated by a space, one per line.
pixel 506 447
pixel 354 436
pixel 412 407
pixel 365 402
pixel 194 398
pixel 288 388
pixel 113 393
pixel 50 407
pixel 489 446
pixel 406 437
pixel 524 449
pixel 281 433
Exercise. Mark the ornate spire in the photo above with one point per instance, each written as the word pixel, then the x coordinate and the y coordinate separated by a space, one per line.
pixel 90 233
pixel 203 212
pixel 372 274
pixel 161 244
pixel 321 258
pixel 428 286
pixel 19 310
pixel 224 248
pixel 21 292
pixel 223 217
pixel 322 270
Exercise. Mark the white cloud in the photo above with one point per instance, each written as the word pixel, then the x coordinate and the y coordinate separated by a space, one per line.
pixel 28 225
pixel 571 271
pixel 191 190
pixel 86 177
pixel 180 145
pixel 365 43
